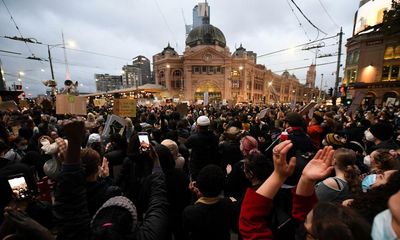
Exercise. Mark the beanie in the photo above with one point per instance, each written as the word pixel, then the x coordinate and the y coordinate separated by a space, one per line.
pixel 333 139
pixel 247 144
pixel 382 131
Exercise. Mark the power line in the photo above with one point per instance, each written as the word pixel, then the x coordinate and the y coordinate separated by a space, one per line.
pixel 298 20
pixel 16 26
pixel 96 53
pixel 298 68
pixel 312 24
pixel 327 13
pixel 165 20
pixel 300 45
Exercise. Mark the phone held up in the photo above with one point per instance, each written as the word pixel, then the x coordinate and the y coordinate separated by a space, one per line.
pixel 144 141
pixel 19 187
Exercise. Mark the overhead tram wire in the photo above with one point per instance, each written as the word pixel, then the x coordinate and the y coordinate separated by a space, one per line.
pixel 298 20
pixel 165 20
pixel 16 26
pixel 327 13
pixel 302 13
pixel 300 45
pixel 298 68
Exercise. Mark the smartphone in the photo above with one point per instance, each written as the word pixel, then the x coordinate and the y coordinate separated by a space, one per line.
pixel 19 187
pixel 144 137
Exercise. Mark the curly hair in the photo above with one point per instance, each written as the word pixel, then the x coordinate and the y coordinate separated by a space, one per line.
pixel 386 160
pixel 375 201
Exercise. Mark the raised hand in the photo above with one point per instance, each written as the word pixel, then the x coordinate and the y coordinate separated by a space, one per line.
pixel 281 167
pixel 104 170
pixel 320 166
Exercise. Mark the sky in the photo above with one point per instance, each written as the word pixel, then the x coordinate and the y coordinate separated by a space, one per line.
pixel 117 31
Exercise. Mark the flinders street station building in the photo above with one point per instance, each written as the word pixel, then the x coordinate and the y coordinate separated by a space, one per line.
pixel 208 69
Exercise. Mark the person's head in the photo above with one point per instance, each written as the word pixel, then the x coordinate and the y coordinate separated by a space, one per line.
pixel 248 143
pixel 21 143
pixel 172 146
pixel 293 119
pixel 54 134
pixel 91 161
pixel 380 131
pixel 345 161
pixel 116 219
pixel 383 160
pixel 203 123
pixel 232 133
pixel 256 167
pixel 165 157
pixel 210 181
pixel 330 221
pixel 316 119
pixel 129 123
pixel 334 140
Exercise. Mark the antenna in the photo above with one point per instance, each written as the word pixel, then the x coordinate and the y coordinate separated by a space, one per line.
pixel 68 73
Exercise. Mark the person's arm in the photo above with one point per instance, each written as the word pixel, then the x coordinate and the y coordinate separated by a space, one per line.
pixel 70 207
pixel 257 205
pixel 304 195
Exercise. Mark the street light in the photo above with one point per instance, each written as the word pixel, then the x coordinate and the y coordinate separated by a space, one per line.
pixel 50 46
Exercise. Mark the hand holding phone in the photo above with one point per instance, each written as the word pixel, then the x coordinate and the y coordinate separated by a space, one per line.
pixel 19 187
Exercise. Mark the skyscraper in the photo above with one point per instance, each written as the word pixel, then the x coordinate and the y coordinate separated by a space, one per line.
pixel 106 82
pixel 199 11
pixel 138 73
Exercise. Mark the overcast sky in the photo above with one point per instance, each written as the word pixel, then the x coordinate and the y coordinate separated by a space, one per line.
pixel 127 28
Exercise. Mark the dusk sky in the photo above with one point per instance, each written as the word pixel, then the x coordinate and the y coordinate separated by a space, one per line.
pixel 126 28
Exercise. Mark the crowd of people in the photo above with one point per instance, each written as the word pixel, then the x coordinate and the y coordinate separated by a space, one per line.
pixel 243 172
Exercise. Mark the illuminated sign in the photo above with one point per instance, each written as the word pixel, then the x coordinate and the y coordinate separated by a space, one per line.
pixel 371 14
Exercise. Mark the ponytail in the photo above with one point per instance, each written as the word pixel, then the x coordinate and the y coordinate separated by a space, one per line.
pixel 351 174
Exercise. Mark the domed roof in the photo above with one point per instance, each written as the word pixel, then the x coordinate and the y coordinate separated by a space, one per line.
pixel 205 34
pixel 169 50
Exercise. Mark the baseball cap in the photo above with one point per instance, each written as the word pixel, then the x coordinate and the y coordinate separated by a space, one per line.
pixel 203 121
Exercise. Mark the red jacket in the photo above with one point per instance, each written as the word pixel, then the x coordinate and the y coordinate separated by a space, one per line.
pixel 256 208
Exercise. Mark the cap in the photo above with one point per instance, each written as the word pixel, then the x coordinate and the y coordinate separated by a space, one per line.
pixel 203 121
pixel 94 137
pixel 382 131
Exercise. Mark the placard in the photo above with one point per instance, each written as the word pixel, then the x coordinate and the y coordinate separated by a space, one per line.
pixel 307 108
pixel 390 102
pixel 114 124
pixel 8 105
pixel 263 113
pixel 99 102
pixel 359 96
pixel 125 107
pixel 70 104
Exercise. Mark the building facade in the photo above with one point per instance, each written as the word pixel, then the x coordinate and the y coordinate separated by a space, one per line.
pixel 106 82
pixel 207 69
pixel 311 76
pixel 138 73
pixel 373 58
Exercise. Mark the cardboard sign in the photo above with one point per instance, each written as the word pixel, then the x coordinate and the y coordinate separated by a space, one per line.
pixel 125 107
pixel 23 103
pixel 205 98
pixel 99 102
pixel 70 104
pixel 114 124
pixel 307 108
pixel 390 102
pixel 182 109
pixel 359 96
pixel 8 105
pixel 263 113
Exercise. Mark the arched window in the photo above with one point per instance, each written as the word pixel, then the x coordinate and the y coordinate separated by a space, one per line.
pixel 389 52
pixel 177 80
pixel 161 78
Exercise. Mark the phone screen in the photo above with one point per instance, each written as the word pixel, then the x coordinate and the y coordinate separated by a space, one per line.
pixel 19 187
pixel 144 138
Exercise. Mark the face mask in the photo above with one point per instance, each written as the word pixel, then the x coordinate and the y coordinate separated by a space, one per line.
pixel 369 137
pixel 367 160
pixel 367 182
pixel 382 229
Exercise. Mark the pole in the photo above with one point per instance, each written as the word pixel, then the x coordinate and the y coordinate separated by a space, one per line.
pixel 338 67
pixel 320 88
pixel 51 63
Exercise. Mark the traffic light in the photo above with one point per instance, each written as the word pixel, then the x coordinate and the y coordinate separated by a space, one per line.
pixel 330 92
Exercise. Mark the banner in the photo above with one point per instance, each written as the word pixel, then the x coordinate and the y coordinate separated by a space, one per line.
pixel 205 98
pixel 125 107
pixel 70 104
pixel 114 124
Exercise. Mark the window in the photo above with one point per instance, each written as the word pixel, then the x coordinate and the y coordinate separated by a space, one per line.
pixel 351 75
pixel 177 80
pixel 390 73
pixel 162 78
pixel 397 52
pixel 394 73
pixel 389 52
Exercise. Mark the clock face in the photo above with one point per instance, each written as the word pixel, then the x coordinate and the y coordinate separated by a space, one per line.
pixel 207 57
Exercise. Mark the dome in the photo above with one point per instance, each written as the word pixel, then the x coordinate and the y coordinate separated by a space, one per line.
pixel 205 34
pixel 169 51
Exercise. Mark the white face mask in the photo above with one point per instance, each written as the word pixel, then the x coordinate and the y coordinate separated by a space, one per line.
pixel 369 137
pixel 367 160
pixel 382 227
